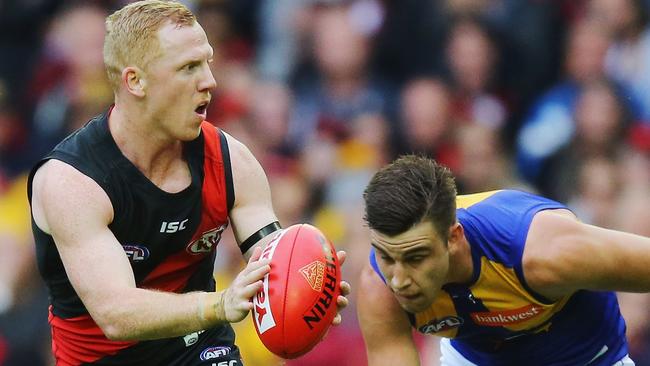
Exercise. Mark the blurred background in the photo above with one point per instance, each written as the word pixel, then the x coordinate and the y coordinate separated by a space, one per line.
pixel 549 96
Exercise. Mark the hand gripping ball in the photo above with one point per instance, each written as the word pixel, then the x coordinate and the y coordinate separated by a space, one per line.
pixel 298 301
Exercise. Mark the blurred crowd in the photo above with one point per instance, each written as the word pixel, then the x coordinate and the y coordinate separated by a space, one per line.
pixel 549 96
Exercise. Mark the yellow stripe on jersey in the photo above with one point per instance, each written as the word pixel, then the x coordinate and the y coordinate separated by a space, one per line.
pixel 467 200
pixel 509 304
pixel 442 308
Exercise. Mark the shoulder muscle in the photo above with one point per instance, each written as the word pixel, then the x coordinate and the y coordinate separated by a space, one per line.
pixel 62 195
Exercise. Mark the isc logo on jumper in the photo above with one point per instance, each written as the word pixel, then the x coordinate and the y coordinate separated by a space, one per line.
pixel 441 325
pixel 173 226
pixel 207 241
pixel 214 352
pixel 263 316
pixel 136 253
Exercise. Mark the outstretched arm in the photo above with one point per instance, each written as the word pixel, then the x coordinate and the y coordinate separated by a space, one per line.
pixel 564 255
pixel 386 329
pixel 76 212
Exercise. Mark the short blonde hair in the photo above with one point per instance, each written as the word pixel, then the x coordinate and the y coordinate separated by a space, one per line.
pixel 131 34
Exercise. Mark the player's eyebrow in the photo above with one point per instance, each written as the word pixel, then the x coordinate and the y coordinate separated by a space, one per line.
pixel 420 250
pixel 377 247
pixel 414 251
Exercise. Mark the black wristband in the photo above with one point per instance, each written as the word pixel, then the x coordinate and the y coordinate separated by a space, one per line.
pixel 258 235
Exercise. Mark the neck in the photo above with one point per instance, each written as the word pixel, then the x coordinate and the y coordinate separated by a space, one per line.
pixel 142 143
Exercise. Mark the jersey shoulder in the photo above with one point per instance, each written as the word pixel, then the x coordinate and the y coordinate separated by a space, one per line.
pixel 496 223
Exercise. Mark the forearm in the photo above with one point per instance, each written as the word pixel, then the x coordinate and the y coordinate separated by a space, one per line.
pixel 139 314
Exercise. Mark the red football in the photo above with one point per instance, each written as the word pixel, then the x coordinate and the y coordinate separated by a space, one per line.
pixel 298 302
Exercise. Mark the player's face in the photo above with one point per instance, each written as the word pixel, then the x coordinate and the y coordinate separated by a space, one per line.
pixel 179 81
pixel 415 264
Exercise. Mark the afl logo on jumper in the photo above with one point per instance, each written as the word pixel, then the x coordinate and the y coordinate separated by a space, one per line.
pixel 136 253
pixel 207 241
pixel 440 325
pixel 214 352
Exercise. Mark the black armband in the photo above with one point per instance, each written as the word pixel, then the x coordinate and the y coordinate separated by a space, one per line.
pixel 258 235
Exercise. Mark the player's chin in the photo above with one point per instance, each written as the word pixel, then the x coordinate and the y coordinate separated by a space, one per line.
pixel 415 305
pixel 190 133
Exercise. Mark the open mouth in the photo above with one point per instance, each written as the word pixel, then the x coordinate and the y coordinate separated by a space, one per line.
pixel 202 108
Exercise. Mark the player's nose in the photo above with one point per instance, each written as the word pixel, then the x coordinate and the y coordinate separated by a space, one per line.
pixel 400 279
pixel 207 80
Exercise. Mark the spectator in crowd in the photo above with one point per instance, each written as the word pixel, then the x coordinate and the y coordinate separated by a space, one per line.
pixel 340 89
pixel 483 164
pixel 70 86
pixel 601 122
pixel 594 196
pixel 549 124
pixel 426 119
pixel 21 27
pixel 628 57
pixel 472 58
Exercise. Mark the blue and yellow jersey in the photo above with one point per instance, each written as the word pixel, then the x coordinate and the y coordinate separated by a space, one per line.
pixel 496 319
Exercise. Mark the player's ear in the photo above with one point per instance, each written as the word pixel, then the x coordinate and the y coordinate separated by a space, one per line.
pixel 134 81
pixel 456 234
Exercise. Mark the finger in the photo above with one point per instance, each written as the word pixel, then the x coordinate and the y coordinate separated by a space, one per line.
pixel 341 302
pixel 342 255
pixel 345 288
pixel 256 274
pixel 337 319
pixel 250 267
pixel 248 305
pixel 248 291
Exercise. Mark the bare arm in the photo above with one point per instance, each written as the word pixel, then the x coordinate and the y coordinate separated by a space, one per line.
pixel 563 255
pixel 76 212
pixel 385 327
pixel 252 209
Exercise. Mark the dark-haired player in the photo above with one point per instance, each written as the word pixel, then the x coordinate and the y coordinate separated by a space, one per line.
pixel 506 277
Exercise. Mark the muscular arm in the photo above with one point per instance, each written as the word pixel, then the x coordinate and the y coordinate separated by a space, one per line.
pixel 252 209
pixel 76 212
pixel 386 329
pixel 563 255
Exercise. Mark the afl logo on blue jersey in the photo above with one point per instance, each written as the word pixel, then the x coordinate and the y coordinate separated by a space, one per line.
pixel 440 325
pixel 136 253
pixel 207 241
